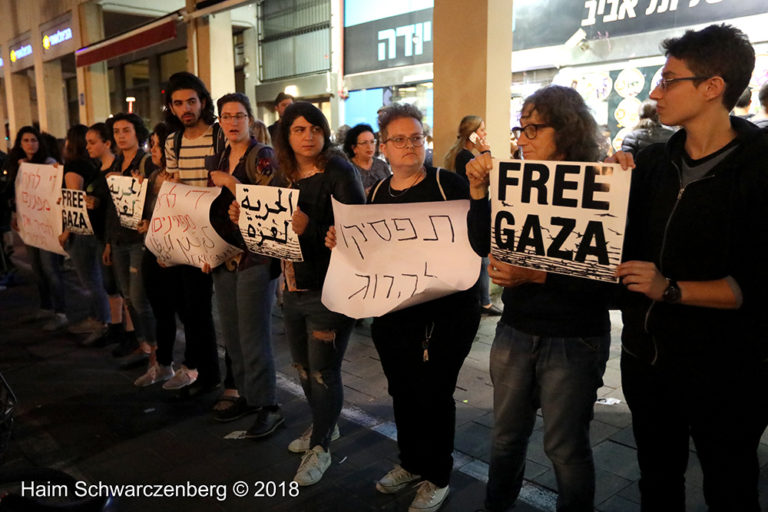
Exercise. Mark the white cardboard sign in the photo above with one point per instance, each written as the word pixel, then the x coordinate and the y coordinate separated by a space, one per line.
pixel 562 217
pixel 392 256
pixel 128 196
pixel 180 232
pixel 38 190
pixel 266 220
pixel 74 213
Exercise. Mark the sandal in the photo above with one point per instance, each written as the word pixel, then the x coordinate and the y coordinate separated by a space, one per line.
pixel 226 400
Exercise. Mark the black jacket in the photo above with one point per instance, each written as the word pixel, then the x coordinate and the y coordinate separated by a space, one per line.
pixel 341 181
pixel 644 137
pixel 715 227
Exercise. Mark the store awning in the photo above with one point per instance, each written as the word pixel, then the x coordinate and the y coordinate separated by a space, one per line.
pixel 150 34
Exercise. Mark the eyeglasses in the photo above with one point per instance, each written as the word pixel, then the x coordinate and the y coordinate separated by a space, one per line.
pixel 366 143
pixel 400 142
pixel 229 117
pixel 530 130
pixel 664 83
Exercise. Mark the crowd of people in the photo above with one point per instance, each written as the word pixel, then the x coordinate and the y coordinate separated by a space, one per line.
pixel 692 290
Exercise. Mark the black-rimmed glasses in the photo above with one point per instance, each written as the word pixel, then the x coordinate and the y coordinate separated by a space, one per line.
pixel 664 83
pixel 530 130
pixel 400 142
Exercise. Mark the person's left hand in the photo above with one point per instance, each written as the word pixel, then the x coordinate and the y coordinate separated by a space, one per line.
pixel 143 226
pixel 509 276
pixel 206 268
pixel 138 177
pixel 63 237
pixel 643 277
pixel 300 221
pixel 330 237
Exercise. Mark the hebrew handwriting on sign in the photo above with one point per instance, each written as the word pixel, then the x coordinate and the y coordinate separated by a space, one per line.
pixel 180 232
pixel 74 213
pixel 38 206
pixel 129 196
pixel 266 220
pixel 389 257
pixel 563 217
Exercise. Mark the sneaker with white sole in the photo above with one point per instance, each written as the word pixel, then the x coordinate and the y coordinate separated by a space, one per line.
pixel 313 466
pixel 58 321
pixel 155 373
pixel 301 444
pixel 429 497
pixel 183 378
pixel 395 480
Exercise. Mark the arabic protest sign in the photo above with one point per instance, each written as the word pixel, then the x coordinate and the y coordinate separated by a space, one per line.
pixel 128 196
pixel 180 232
pixel 38 189
pixel 562 217
pixel 265 220
pixel 74 213
pixel 392 256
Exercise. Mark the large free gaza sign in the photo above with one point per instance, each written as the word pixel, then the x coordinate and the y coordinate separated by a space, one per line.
pixel 563 217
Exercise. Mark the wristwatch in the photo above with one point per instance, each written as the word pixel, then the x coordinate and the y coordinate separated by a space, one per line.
pixel 672 294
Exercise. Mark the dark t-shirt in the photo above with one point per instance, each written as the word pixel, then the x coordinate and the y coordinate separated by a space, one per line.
pixel 462 159
pixel 89 171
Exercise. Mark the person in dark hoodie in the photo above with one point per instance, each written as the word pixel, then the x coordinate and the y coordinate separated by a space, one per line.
pixel 553 339
pixel 694 311
pixel 647 131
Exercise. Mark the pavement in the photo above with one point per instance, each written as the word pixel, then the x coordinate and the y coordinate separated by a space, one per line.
pixel 78 412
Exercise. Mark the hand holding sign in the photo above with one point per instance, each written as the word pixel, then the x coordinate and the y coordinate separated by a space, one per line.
pixel 478 174
pixel 509 276
pixel 267 220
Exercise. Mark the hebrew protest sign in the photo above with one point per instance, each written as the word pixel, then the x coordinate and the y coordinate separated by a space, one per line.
pixel 265 220
pixel 180 232
pixel 38 190
pixel 129 196
pixel 392 256
pixel 562 217
pixel 73 212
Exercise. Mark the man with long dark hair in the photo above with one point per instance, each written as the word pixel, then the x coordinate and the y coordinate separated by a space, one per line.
pixel 189 113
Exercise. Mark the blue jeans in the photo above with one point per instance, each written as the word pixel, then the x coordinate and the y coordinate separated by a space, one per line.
pixel 317 338
pixel 86 258
pixel 126 262
pixel 485 283
pixel 560 375
pixel 245 300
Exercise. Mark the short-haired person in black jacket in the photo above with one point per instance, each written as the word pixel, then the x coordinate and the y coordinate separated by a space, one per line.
pixel 694 346
pixel 553 339
pixel 317 336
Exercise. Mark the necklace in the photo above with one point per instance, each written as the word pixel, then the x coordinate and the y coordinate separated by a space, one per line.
pixel 402 192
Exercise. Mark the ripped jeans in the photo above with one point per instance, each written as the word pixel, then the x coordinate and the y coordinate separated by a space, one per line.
pixel 317 338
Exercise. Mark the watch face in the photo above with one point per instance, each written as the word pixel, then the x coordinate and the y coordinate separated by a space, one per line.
pixel 672 293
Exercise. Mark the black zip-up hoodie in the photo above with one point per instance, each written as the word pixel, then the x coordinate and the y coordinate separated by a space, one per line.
pixel 714 227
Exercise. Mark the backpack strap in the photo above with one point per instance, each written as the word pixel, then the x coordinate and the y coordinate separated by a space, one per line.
pixel 143 164
pixel 376 189
pixel 177 143
pixel 440 185
pixel 219 140
pixel 252 166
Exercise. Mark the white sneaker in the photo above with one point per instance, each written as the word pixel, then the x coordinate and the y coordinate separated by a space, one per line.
pixel 428 498
pixel 395 480
pixel 155 373
pixel 58 321
pixel 313 465
pixel 301 444
pixel 183 378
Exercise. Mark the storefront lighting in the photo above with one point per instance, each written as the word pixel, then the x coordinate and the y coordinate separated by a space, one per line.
pixel 58 37
pixel 21 52
pixel 130 101
pixel 293 90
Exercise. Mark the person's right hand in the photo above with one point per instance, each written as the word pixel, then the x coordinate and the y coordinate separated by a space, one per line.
pixel 234 212
pixel 478 174
pixel 106 256
pixel 91 202
pixel 143 226
pixel 330 237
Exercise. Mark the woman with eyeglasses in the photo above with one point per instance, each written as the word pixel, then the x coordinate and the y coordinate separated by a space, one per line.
pixel 317 336
pixel 553 339
pixel 360 147
pixel 422 347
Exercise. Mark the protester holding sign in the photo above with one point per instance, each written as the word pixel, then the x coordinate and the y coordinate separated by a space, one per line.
pixel 317 337
pixel 245 286
pixel 552 341
pixel 695 311
pixel 422 347
pixel 80 173
pixel 99 144
pixel 28 147
pixel 125 247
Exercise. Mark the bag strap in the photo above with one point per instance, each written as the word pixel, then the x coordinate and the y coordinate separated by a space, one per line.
pixel 177 144
pixel 376 188
pixel 440 185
